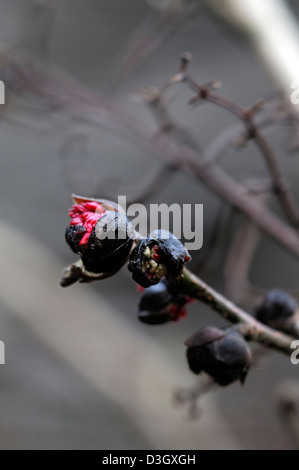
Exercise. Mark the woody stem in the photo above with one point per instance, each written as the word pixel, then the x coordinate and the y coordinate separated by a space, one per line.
pixel 248 326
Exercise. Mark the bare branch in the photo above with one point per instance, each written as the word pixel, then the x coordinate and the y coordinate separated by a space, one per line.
pixel 280 28
pixel 237 266
pixel 247 117
pixel 149 36
pixel 78 102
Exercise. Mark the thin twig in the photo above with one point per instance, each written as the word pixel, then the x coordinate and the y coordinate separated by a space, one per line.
pixel 237 267
pixel 204 92
pixel 190 396
pixel 234 137
pixel 272 28
pixel 212 240
pixel 151 185
pixel 149 36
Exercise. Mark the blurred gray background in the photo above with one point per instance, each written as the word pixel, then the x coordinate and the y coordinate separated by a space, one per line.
pixel 81 372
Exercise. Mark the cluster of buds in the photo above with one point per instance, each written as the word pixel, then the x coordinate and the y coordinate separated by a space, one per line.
pixel 101 234
pixel 223 354
pixel 161 304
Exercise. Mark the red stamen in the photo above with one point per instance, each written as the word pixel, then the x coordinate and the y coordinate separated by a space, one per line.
pixel 76 221
pixel 87 215
pixel 156 257
pixel 84 239
pixel 177 312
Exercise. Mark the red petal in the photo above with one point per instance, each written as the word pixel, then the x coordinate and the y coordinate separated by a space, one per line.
pixel 76 221
pixel 91 206
pixel 84 239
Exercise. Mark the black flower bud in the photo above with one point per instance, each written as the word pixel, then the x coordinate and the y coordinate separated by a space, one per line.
pixel 73 235
pixel 159 255
pixel 277 309
pixel 102 236
pixel 105 251
pixel 160 304
pixel 223 355
pixel 153 306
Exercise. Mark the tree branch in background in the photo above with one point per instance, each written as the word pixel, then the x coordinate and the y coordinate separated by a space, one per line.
pixel 236 267
pixel 78 103
pixel 267 24
pixel 148 37
pixel 235 138
pixel 204 92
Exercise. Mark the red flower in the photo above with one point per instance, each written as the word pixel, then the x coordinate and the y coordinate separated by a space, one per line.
pixel 86 214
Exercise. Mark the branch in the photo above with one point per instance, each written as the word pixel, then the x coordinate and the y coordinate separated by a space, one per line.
pixel 202 167
pixel 149 36
pixel 235 138
pixel 274 32
pixel 151 184
pixel 36 27
pixel 248 326
pixel 237 267
pixel 77 102
pixel 204 92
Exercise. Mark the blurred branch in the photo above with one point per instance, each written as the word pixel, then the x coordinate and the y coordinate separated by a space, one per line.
pixel 151 184
pixel 157 101
pixel 205 92
pixel 149 36
pixel 189 397
pixel 245 241
pixel 274 32
pixel 75 163
pixel 235 138
pixel 78 103
pixel 169 8
pixel 80 177
pixel 36 27
pixel 212 240
pixel 237 266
